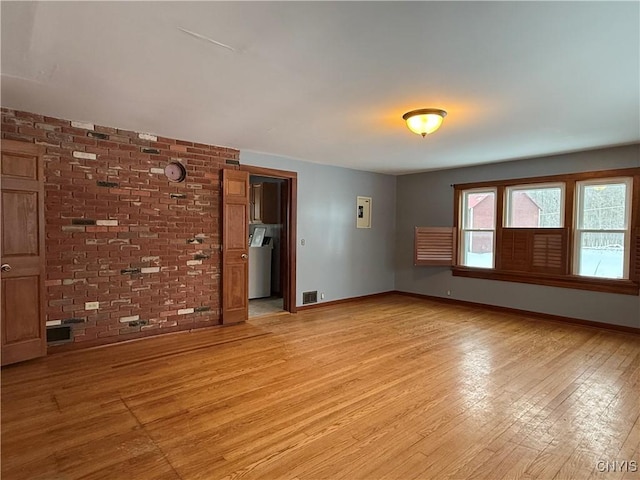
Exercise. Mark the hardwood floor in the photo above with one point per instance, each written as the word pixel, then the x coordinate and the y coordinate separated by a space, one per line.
pixel 386 388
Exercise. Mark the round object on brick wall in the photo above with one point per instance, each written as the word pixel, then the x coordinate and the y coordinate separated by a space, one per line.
pixel 175 172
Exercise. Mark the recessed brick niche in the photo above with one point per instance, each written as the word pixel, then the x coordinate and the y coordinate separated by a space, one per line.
pixel 119 233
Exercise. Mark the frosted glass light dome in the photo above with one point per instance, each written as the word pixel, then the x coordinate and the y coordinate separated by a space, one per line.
pixel 424 121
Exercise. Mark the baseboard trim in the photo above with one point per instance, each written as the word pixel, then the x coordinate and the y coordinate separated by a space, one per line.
pixel 529 313
pixel 70 347
pixel 332 303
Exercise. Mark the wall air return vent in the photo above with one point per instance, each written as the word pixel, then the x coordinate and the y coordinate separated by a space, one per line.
pixel 309 297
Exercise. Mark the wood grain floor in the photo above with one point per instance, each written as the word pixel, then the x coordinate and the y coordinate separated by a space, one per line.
pixel 388 388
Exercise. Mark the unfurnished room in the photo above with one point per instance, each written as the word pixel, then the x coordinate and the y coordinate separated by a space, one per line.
pixel 320 240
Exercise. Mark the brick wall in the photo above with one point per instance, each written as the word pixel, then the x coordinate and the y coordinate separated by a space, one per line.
pixel 120 234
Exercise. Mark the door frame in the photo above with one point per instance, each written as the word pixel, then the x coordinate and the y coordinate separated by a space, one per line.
pixel 289 230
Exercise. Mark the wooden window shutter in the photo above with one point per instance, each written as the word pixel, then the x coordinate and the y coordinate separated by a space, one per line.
pixel 515 250
pixel 434 246
pixel 549 253
pixel 541 250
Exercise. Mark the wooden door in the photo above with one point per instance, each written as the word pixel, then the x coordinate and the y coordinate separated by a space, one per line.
pixel 22 206
pixel 235 246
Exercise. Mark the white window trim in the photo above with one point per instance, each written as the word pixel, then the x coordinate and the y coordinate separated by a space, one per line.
pixel 577 215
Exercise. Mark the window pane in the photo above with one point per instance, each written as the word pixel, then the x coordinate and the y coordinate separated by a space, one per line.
pixel 603 206
pixel 478 249
pixel 602 255
pixel 479 210
pixel 535 207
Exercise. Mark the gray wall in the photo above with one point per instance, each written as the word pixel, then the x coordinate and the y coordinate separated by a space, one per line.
pixel 338 259
pixel 426 199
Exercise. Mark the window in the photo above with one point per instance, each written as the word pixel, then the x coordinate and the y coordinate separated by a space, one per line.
pixel 602 235
pixel 535 206
pixel 478 228
pixel 577 231
pixel 532 239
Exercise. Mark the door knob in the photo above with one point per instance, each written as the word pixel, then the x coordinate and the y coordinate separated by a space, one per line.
pixel 244 256
pixel 6 267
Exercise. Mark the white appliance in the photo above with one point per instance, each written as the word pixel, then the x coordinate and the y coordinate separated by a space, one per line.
pixel 260 271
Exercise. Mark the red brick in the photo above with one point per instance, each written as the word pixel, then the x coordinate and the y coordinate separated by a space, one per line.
pixel 85 140
pixel 31 116
pixel 9 128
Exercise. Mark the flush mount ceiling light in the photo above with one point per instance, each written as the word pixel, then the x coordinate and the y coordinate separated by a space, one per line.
pixel 425 120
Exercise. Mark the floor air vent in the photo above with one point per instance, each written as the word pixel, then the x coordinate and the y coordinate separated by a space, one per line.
pixel 309 297
pixel 58 334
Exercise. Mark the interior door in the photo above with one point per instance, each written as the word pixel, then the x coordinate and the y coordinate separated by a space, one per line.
pixel 22 204
pixel 235 246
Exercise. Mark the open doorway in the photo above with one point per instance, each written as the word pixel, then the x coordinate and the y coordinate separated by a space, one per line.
pixel 272 241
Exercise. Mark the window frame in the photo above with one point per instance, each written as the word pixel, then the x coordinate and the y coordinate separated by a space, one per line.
pixel 578 230
pixel 532 186
pixel 462 231
pixel 629 286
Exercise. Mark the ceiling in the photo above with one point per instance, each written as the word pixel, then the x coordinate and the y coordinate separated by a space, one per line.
pixel 328 82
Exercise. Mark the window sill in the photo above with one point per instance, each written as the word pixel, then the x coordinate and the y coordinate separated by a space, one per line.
pixel 625 287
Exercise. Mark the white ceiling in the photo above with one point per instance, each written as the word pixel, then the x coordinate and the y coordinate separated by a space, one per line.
pixel 328 82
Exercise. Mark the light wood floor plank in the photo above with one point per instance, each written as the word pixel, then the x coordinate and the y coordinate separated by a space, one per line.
pixel 386 388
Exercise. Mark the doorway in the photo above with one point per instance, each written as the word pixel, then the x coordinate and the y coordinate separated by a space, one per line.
pixel 272 241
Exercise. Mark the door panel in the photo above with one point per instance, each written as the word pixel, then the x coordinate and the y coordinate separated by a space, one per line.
pixel 22 206
pixel 21 166
pixel 235 296
pixel 17 303
pixel 235 246
pixel 237 236
pixel 235 187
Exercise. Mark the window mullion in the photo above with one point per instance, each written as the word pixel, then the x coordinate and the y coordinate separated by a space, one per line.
pixel 570 223
pixel 497 235
pixel 457 225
